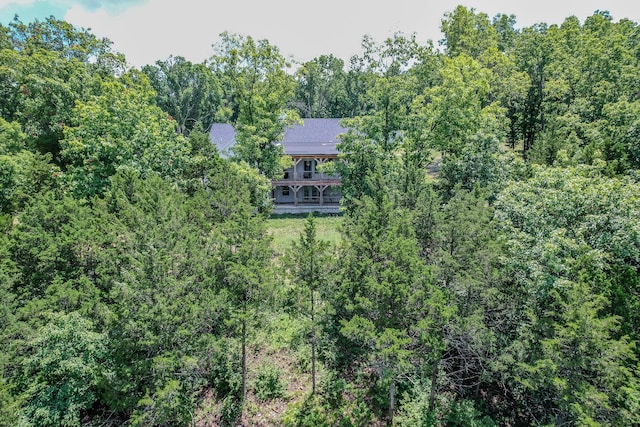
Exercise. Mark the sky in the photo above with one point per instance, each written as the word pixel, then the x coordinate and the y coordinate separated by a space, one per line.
pixel 150 30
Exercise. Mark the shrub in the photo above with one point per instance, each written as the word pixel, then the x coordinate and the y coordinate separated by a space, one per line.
pixel 267 384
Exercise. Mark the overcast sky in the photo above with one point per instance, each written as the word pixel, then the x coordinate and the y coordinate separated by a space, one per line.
pixel 148 30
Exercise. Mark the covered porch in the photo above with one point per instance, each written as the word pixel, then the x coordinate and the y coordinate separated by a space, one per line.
pixel 318 193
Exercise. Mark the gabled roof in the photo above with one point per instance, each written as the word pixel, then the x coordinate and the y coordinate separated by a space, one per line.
pixel 313 137
pixel 223 136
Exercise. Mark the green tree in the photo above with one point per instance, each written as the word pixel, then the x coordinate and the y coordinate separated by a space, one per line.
pixel 23 173
pixel 377 139
pixel 309 261
pixel 54 243
pixel 532 57
pixel 257 91
pixel 385 302
pixel 48 67
pixel 452 112
pixel 619 130
pixel 467 32
pixel 507 34
pixel 457 118
pixel 120 129
pixel 63 371
pixel 321 88
pixel 164 313
pixel 48 87
pixel 8 325
pixel 202 162
pixel 578 371
pixel 55 35
pixel 390 87
pixel 569 233
pixel 244 274
pixel 464 249
pixel 188 92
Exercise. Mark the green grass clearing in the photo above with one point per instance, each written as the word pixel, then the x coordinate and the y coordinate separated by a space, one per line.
pixel 285 230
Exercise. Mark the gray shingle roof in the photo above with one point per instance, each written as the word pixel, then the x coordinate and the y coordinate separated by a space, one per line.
pixel 223 136
pixel 313 137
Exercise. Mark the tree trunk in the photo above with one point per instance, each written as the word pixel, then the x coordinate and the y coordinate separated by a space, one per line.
pixel 392 392
pixel 313 346
pixel 434 382
pixel 244 358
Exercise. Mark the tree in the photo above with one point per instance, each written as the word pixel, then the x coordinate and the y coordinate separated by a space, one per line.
pixel 53 244
pixel 504 26
pixel 389 87
pixel 532 57
pixel 309 263
pixel 55 35
pixel 568 235
pixel 63 371
pixel 48 67
pixel 384 135
pixel 244 274
pixel 120 129
pixel 619 129
pixel 258 89
pixel 385 302
pixel 41 91
pixel 202 163
pixel 164 311
pixel 8 325
pixel 23 173
pixel 452 112
pixel 467 32
pixel 189 93
pixel 458 119
pixel 462 246
pixel 578 371
pixel 321 88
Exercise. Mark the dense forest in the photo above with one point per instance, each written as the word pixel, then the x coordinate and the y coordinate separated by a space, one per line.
pixel 488 270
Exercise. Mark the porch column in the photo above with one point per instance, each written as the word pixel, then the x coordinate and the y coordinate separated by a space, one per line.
pixel 295 168
pixel 321 189
pixel 295 189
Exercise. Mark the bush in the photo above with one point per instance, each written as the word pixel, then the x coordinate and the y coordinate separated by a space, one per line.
pixel 230 411
pixel 267 384
pixel 169 405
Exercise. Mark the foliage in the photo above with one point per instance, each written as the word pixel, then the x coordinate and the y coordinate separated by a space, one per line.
pixel 268 384
pixel 120 129
pixel 230 412
pixel 63 371
pixel 22 172
pixel 486 270
pixel 415 412
pixel 47 68
pixel 567 257
pixel 256 91
pixel 309 260
pixel 189 93
pixel 320 88
pixel 329 407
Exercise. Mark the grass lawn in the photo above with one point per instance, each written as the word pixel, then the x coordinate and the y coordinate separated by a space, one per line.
pixel 287 229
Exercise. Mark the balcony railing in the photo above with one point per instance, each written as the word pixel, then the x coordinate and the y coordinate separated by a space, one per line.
pixel 296 176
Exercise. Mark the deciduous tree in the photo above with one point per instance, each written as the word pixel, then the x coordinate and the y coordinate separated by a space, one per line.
pixel 257 91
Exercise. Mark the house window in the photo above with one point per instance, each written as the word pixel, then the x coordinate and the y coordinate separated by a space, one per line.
pixel 310 193
pixel 286 174
pixel 285 191
pixel 307 170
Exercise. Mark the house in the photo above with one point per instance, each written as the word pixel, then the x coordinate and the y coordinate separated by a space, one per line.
pixel 303 187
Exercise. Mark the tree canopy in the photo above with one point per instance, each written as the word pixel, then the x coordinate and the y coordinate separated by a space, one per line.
pixel 484 269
